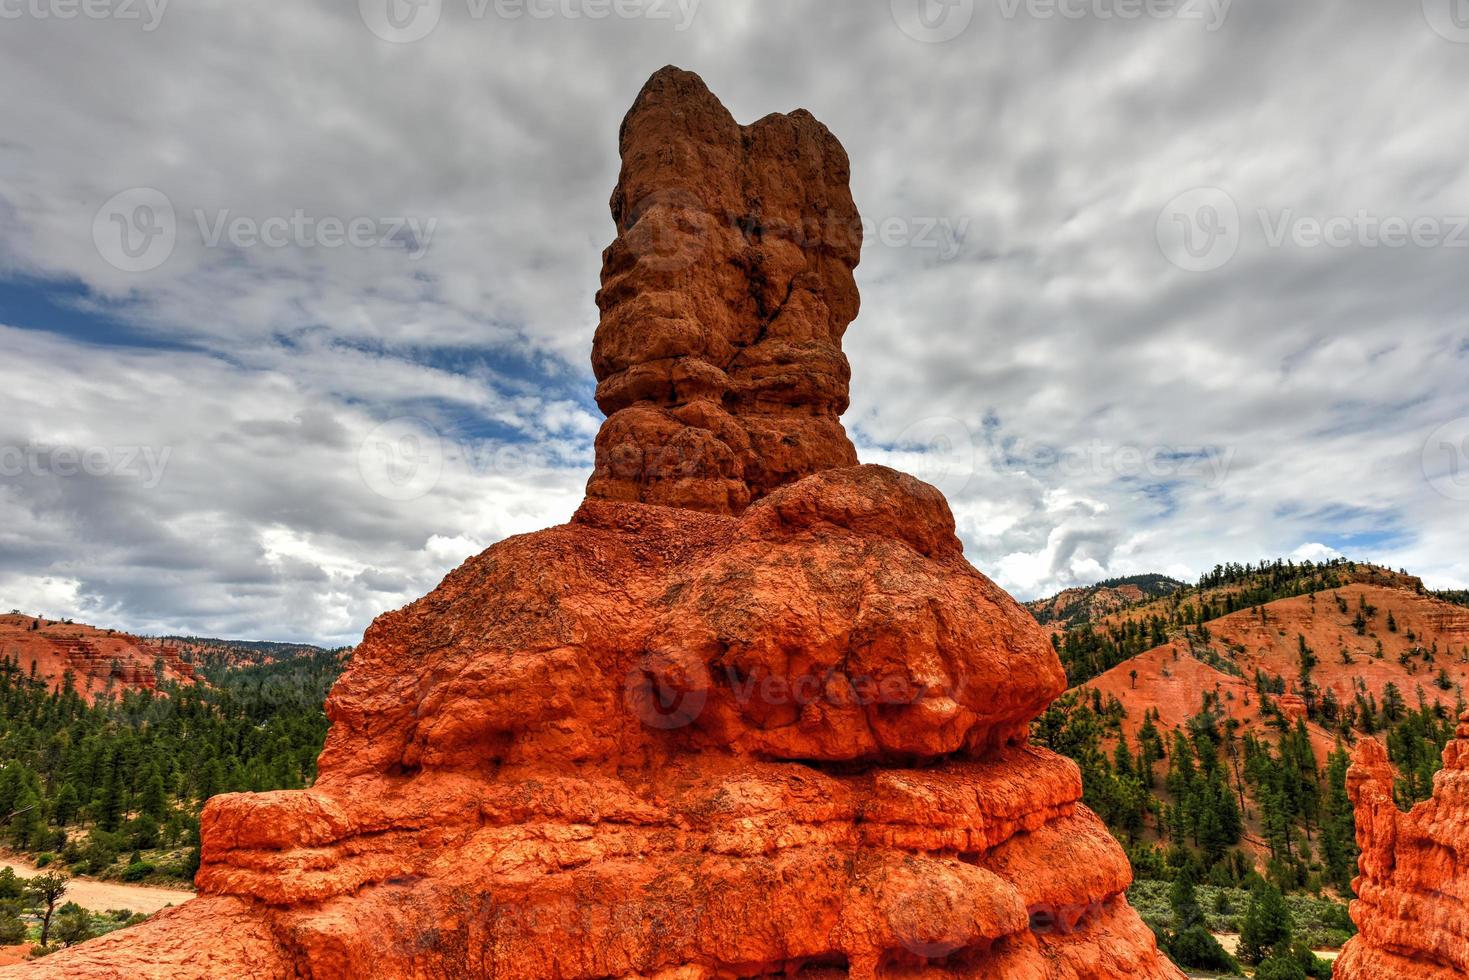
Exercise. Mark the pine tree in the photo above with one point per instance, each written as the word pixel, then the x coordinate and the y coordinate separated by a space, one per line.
pixel 153 801
pixel 64 807
pixel 1150 748
pixel 108 809
pixel 29 821
pixel 1266 926
pixel 1393 705
pixel 1338 824
pixel 1308 687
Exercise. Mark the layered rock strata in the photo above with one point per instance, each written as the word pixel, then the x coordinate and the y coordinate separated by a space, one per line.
pixel 1412 907
pixel 755 719
pixel 724 300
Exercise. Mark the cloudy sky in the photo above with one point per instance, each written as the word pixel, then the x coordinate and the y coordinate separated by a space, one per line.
pixel 296 298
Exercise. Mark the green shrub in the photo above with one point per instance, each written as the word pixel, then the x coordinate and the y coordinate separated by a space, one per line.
pixel 137 871
pixel 1280 968
pixel 73 925
pixel 1195 947
pixel 12 930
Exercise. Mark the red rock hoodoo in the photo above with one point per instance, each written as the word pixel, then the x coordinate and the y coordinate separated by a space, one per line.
pixel 1412 906
pixel 724 299
pixel 776 727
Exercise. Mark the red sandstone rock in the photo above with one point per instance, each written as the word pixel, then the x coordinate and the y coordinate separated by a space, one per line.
pixel 785 738
pixel 1412 905
pixel 98 660
pixel 724 300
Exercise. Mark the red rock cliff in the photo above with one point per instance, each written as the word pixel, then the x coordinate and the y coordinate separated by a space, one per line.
pixel 1412 905
pixel 99 661
pixel 777 729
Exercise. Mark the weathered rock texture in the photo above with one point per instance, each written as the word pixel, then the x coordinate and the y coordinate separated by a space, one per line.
pixel 785 738
pixel 98 661
pixel 724 300
pixel 1412 905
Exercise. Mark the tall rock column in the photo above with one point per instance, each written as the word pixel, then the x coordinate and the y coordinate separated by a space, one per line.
pixel 724 300
pixel 1412 906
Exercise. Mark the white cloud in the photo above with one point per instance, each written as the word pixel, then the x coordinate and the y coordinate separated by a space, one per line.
pixel 1123 415
pixel 1315 551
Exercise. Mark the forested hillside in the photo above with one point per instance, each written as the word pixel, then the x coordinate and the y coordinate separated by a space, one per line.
pixel 1076 606
pixel 1097 645
pixel 114 788
pixel 1213 726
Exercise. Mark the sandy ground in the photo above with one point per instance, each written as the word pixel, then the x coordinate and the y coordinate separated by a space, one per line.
pixel 99 896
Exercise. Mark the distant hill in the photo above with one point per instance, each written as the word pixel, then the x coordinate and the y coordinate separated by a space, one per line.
pixel 237 653
pixel 1359 638
pixel 99 660
pixel 1239 634
pixel 1083 604
pixel 1215 720
pixel 103 661
pixel 107 777
pixel 1097 644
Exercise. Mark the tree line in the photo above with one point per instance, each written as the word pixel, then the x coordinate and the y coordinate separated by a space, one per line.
pixel 115 788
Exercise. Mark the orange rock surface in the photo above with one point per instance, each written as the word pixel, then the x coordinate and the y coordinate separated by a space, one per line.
pixel 724 299
pixel 1412 906
pixel 98 660
pixel 779 729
